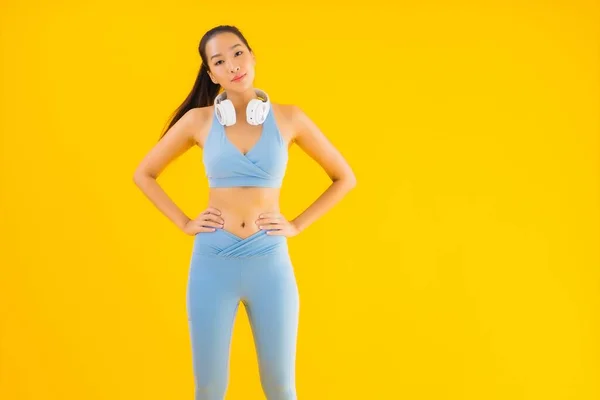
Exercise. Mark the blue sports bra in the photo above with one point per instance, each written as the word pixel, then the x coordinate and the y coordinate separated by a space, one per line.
pixel 264 165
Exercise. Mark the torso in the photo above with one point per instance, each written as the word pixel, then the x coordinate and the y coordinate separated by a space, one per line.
pixel 241 206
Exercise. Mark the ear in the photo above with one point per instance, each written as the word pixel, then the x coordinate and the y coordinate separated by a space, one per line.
pixel 212 78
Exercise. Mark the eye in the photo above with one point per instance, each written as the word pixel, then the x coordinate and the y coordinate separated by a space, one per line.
pixel 239 52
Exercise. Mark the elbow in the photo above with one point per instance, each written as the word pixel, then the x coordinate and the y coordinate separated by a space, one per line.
pixel 136 178
pixel 350 179
pixel 139 176
pixel 352 182
pixel 348 182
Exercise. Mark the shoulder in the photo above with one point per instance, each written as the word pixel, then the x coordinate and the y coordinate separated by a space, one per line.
pixel 199 119
pixel 292 114
pixel 285 116
pixel 289 111
pixel 199 114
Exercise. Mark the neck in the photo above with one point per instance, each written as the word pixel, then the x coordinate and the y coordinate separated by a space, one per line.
pixel 240 100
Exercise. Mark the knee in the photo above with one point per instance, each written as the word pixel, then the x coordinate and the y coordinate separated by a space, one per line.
pixel 280 391
pixel 210 391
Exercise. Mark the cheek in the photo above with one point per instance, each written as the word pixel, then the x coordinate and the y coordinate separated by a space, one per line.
pixel 249 64
pixel 220 75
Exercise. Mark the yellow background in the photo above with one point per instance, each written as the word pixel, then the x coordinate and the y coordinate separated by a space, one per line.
pixel 464 265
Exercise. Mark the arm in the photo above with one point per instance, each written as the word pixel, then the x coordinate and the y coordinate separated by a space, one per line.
pixel 310 139
pixel 172 145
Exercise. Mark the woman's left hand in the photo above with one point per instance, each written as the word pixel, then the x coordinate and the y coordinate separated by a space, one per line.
pixel 277 224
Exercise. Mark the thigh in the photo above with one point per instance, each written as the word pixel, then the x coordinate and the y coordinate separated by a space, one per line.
pixel 212 304
pixel 272 303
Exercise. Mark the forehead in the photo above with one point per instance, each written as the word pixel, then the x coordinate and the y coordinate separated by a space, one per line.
pixel 222 43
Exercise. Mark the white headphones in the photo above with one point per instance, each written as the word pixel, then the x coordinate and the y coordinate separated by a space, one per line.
pixel 256 111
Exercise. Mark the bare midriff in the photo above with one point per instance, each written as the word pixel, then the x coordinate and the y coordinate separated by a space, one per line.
pixel 241 206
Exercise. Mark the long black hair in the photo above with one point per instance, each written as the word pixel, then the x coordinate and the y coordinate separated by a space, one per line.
pixel 205 90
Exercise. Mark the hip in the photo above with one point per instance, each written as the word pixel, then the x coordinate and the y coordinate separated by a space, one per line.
pixel 224 244
pixel 240 208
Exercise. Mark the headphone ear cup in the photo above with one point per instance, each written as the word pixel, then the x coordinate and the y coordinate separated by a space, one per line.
pixel 256 111
pixel 225 112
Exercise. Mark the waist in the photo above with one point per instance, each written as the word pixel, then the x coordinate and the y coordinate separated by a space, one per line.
pixel 240 207
pixel 249 181
pixel 224 244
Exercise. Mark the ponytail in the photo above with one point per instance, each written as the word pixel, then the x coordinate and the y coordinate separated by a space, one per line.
pixel 205 91
pixel 202 95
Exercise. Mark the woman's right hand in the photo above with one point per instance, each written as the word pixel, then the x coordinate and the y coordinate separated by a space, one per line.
pixel 207 221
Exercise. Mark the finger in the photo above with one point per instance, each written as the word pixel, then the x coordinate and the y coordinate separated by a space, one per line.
pixel 205 229
pixel 264 221
pixel 211 224
pixel 212 210
pixel 272 225
pixel 276 232
pixel 211 217
pixel 270 215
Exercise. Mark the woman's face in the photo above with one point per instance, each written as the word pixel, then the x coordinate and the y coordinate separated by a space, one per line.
pixel 228 58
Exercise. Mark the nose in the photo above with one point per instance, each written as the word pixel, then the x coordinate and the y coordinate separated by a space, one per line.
pixel 234 69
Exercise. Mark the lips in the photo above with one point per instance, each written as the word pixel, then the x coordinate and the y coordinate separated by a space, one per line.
pixel 237 78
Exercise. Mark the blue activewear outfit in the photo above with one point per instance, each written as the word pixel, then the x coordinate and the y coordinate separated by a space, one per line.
pixel 226 270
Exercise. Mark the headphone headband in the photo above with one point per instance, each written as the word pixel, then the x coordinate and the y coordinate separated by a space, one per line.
pixel 260 93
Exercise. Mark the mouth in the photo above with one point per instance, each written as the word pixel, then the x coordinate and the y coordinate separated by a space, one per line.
pixel 238 78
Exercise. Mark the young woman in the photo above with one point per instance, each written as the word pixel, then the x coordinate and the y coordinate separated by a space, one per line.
pixel 240 251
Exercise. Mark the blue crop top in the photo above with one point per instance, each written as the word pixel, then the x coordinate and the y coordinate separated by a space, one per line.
pixel 263 165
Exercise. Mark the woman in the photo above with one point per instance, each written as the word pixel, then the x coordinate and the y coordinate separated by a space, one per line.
pixel 240 249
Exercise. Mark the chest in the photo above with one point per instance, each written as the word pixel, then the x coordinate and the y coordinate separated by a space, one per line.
pixel 243 136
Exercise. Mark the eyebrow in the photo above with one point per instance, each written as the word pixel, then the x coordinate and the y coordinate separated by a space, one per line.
pixel 231 48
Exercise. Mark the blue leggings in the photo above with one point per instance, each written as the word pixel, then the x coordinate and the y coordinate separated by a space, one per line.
pixel 224 270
